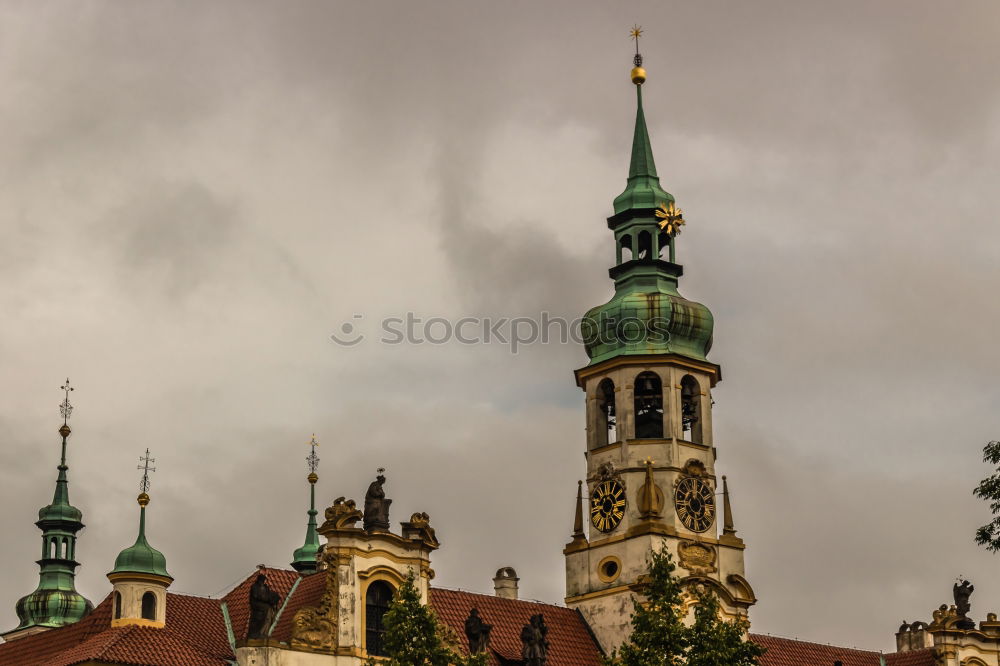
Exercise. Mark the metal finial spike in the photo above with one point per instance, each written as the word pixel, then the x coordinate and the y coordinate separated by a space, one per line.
pixel 636 33
pixel 312 460
pixel 66 409
pixel 146 469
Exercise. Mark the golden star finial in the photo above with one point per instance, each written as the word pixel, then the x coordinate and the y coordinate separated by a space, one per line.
pixel 635 33
pixel 671 218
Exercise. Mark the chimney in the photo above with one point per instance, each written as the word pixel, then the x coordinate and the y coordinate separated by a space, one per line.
pixel 505 583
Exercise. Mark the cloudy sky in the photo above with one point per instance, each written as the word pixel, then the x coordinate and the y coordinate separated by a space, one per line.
pixel 194 196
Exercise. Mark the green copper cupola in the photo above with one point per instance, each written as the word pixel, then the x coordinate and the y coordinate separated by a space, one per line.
pixel 647 315
pixel 140 557
pixel 55 602
pixel 304 558
pixel 140 577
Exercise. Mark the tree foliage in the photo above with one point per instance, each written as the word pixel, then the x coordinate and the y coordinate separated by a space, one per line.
pixel 989 489
pixel 414 636
pixel 660 638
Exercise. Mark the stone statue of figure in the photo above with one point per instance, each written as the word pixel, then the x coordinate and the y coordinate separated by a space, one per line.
pixel 376 506
pixel 535 648
pixel 263 606
pixel 478 632
pixel 962 607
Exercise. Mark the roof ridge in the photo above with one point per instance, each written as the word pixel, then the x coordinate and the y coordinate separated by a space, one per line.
pixel 493 596
pixel 829 645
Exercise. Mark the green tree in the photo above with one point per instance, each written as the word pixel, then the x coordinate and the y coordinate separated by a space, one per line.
pixel 989 489
pixel 716 642
pixel 414 636
pixel 660 638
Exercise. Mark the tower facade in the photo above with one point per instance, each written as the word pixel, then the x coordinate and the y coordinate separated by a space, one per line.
pixel 55 602
pixel 651 458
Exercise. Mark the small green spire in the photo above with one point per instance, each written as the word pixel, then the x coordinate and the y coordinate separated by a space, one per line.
pixel 140 557
pixel 55 602
pixel 643 190
pixel 304 558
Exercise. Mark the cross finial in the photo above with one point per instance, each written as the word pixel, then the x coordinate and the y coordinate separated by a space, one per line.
pixel 146 469
pixel 66 409
pixel 380 471
pixel 636 33
pixel 312 459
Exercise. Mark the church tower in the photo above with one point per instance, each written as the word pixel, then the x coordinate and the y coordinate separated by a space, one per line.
pixel 55 602
pixel 651 459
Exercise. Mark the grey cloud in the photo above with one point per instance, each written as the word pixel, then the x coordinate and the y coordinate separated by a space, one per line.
pixel 193 197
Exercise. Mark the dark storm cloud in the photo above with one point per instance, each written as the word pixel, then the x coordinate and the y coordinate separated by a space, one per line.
pixel 195 197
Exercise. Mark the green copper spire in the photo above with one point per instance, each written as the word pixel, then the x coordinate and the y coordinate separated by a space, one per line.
pixel 140 557
pixel 305 557
pixel 55 602
pixel 647 314
pixel 643 189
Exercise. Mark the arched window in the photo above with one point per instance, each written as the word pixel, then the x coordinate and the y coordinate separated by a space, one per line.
pixel 691 408
pixel 377 601
pixel 625 249
pixel 607 426
pixel 149 606
pixel 648 406
pixel 54 548
pixel 663 243
pixel 118 605
pixel 65 548
pixel 645 249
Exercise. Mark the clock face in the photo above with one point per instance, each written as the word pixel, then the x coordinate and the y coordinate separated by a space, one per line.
pixel 607 505
pixel 695 503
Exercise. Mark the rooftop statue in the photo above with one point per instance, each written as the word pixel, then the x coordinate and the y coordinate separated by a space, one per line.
pixel 263 606
pixel 478 632
pixel 376 505
pixel 535 648
pixel 962 592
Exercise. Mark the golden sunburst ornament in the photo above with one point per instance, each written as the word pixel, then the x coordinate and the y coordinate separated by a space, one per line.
pixel 671 218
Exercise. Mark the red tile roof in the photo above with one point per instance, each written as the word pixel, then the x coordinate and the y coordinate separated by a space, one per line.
pixel 571 643
pixel 306 594
pixel 788 652
pixel 196 634
pixel 47 645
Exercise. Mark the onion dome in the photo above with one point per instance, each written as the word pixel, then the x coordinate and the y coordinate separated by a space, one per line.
pixel 140 557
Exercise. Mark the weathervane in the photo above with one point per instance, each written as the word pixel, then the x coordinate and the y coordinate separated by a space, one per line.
pixel 312 459
pixel 636 33
pixel 66 409
pixel 146 469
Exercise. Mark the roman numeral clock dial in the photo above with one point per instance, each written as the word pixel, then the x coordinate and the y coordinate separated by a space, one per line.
pixel 607 505
pixel 695 503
